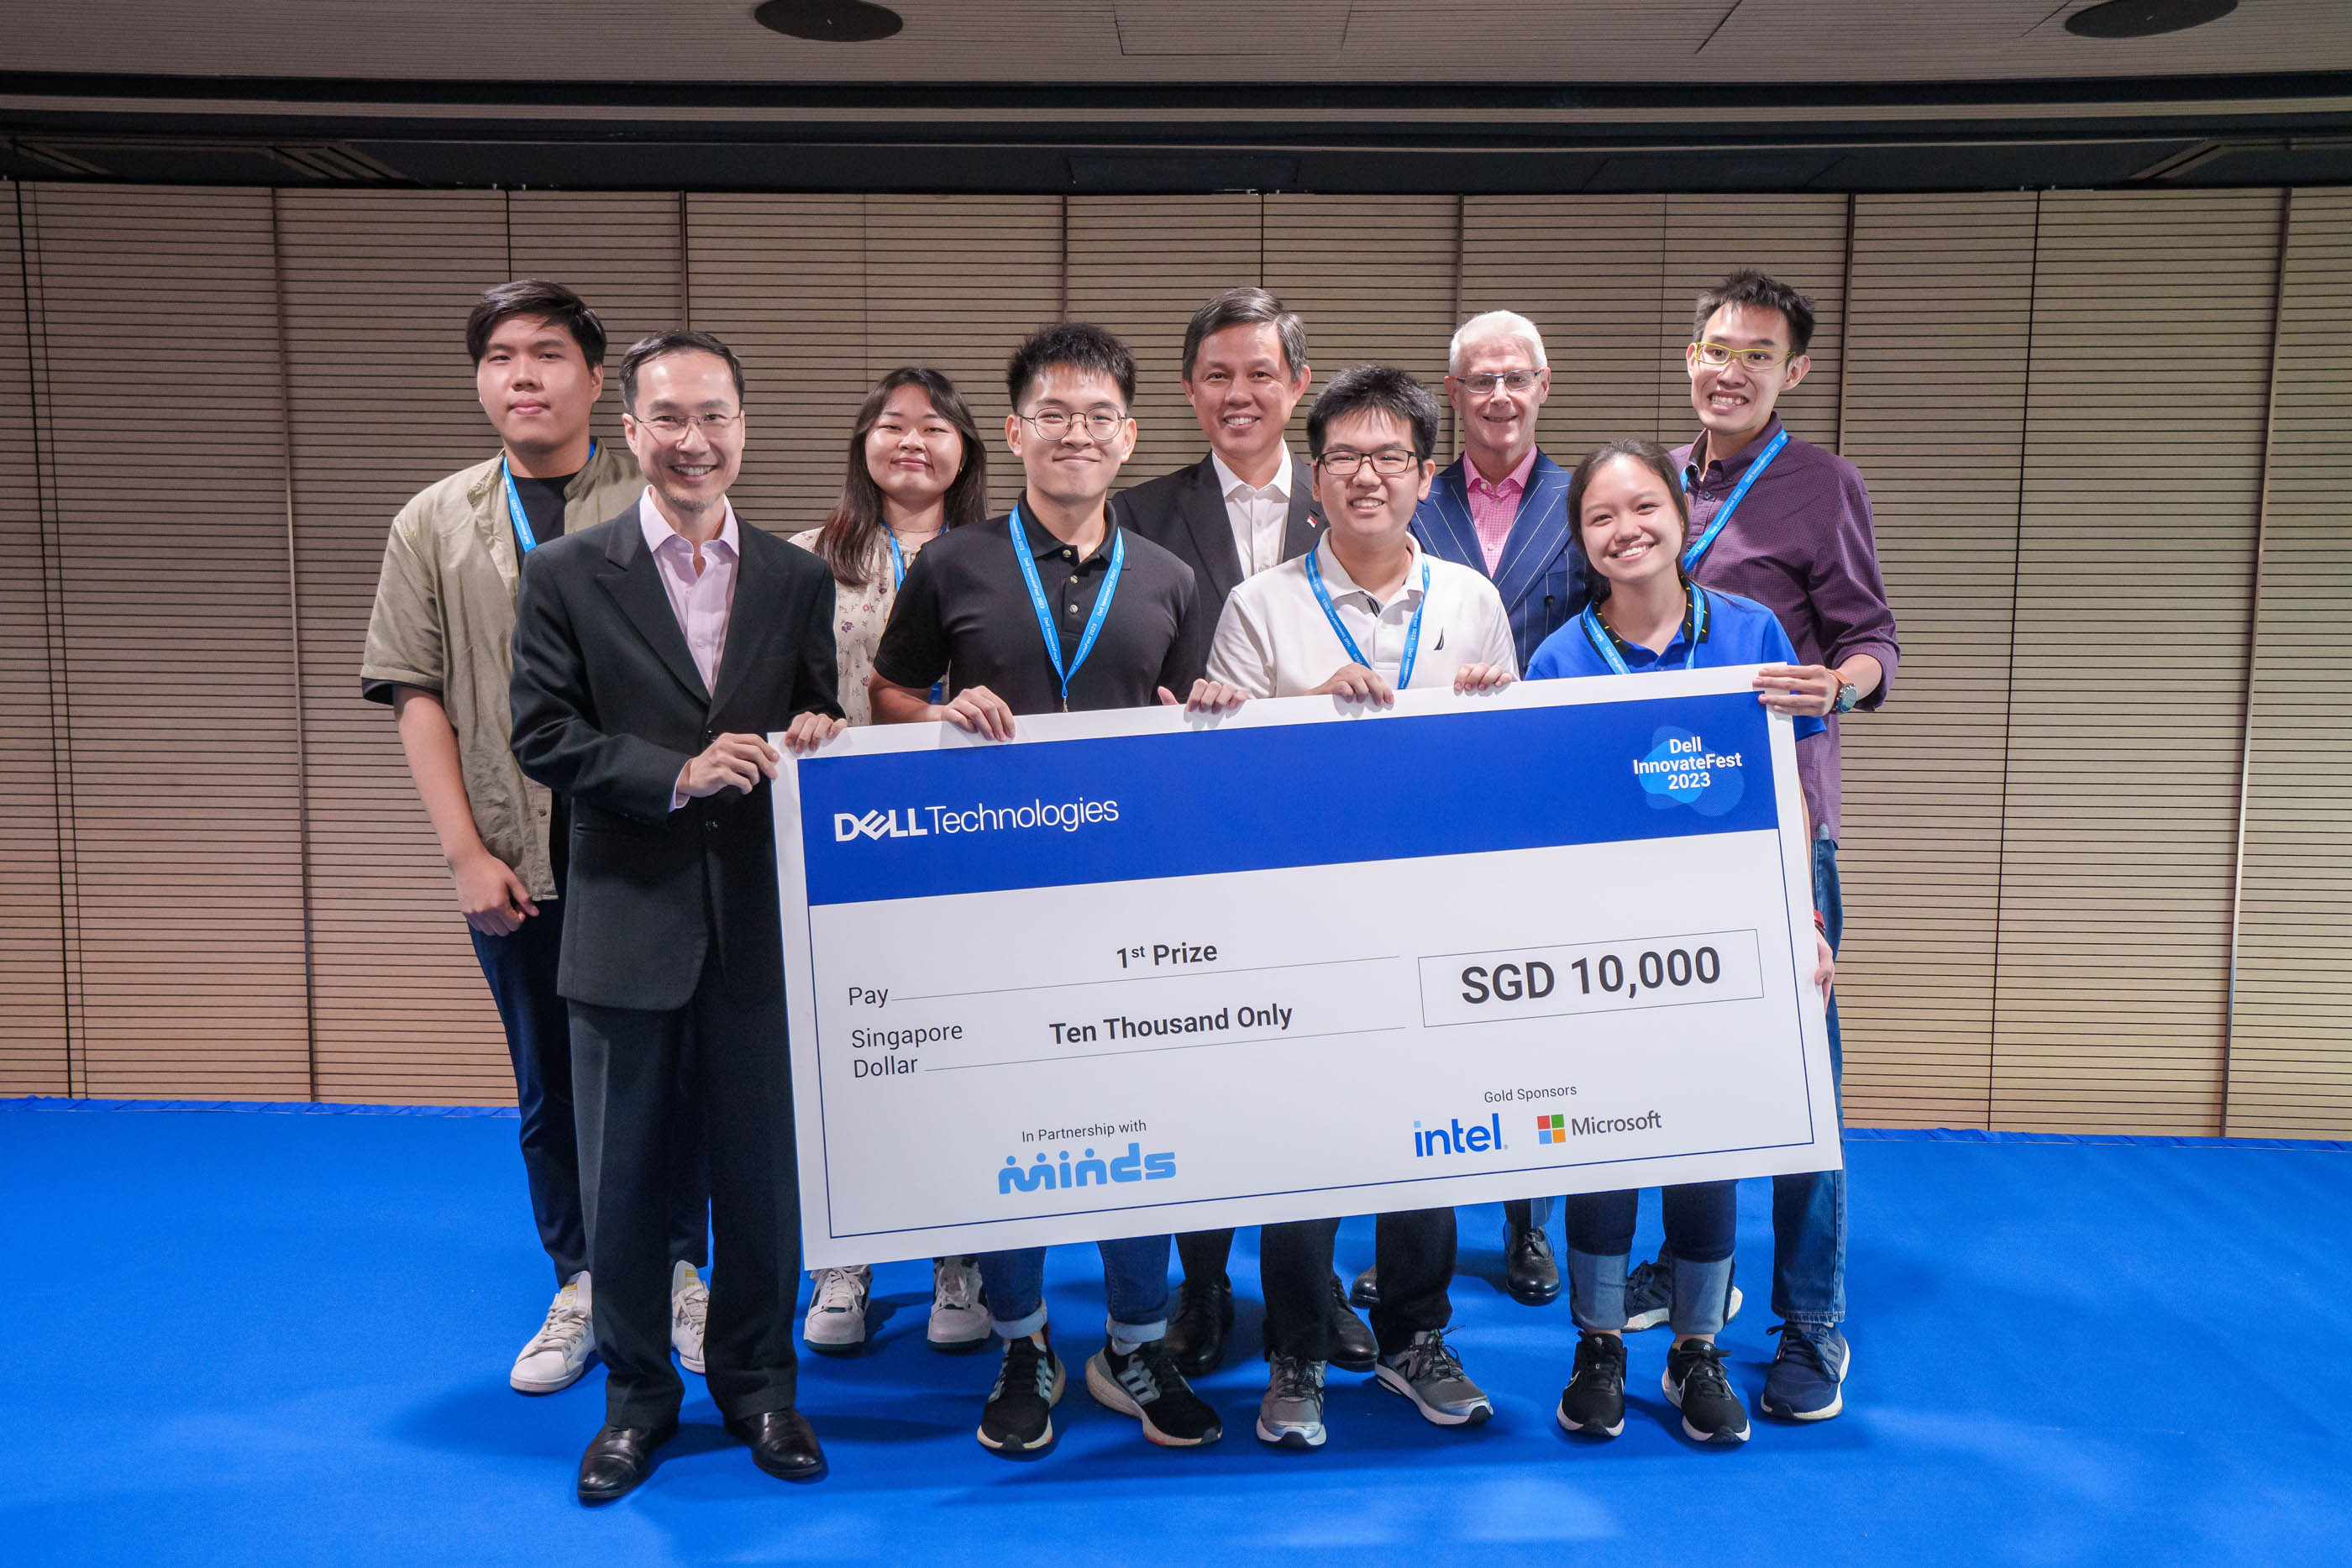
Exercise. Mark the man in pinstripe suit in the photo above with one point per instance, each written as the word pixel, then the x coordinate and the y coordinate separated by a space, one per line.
pixel 1502 509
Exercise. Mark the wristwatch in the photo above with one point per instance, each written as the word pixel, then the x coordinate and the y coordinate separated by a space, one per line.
pixel 1848 693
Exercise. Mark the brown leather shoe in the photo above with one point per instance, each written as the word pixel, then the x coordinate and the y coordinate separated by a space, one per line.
pixel 619 1458
pixel 783 1443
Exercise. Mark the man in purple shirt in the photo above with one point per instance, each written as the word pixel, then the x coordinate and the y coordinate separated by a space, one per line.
pixel 1781 521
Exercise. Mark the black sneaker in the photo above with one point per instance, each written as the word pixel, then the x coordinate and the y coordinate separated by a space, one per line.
pixel 1147 1386
pixel 1019 1418
pixel 1695 1381
pixel 1593 1403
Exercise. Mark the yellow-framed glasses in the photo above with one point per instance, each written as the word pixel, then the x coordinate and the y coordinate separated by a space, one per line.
pixel 1717 355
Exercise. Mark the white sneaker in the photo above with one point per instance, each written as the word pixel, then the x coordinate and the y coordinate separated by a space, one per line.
pixel 959 1321
pixel 689 1309
pixel 836 1314
pixel 559 1351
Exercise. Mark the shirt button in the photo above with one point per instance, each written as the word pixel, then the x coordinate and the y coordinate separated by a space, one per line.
pixel 710 824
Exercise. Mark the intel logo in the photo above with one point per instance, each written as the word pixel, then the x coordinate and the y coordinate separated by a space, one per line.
pixel 1456 1139
pixel 1047 1175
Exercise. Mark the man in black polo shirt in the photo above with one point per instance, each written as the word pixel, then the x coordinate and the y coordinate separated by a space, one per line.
pixel 1128 630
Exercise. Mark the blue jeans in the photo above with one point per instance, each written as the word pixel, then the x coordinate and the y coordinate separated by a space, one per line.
pixel 1702 1225
pixel 1135 1287
pixel 1808 1210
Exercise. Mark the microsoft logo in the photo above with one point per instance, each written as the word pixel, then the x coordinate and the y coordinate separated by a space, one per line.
pixel 1552 1129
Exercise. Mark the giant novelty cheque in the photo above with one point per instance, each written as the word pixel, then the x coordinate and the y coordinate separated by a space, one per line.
pixel 1146 971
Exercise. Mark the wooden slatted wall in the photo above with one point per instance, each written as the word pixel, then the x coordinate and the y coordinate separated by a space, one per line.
pixel 2149 368
pixel 1943 296
pixel 2291 1047
pixel 158 361
pixel 33 1039
pixel 2038 881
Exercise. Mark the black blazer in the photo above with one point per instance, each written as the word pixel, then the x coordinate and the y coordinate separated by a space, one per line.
pixel 608 707
pixel 1184 513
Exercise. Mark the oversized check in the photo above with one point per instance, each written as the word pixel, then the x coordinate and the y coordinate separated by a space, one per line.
pixel 1145 971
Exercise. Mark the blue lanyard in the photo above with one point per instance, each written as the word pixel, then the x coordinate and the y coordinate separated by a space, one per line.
pixel 898 581
pixel 1045 616
pixel 1731 503
pixel 1602 644
pixel 515 513
pixel 1356 654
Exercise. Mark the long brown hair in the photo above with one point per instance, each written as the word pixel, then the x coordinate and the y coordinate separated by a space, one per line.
pixel 1649 455
pixel 851 540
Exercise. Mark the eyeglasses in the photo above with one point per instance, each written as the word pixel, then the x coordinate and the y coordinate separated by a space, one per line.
pixel 1485 384
pixel 672 427
pixel 1053 424
pixel 1721 354
pixel 1387 462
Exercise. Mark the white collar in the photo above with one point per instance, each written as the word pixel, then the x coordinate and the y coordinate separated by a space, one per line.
pixel 1336 581
pixel 1279 485
pixel 657 529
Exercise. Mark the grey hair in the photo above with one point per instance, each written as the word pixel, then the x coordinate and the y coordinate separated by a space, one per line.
pixel 1245 307
pixel 1493 324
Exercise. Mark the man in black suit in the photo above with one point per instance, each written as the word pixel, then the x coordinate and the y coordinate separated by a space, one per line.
pixel 1246 507
pixel 653 651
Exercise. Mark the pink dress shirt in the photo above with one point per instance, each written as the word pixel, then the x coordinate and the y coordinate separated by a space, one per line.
pixel 1494 508
pixel 701 602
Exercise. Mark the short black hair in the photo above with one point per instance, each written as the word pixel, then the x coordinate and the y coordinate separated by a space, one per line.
pixel 677 341
pixel 1078 345
pixel 1382 389
pixel 1245 307
pixel 535 297
pixel 1751 286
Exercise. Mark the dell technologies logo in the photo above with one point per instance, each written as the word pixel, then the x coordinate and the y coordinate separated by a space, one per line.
pixel 1046 1175
pixel 922 821
pixel 848 825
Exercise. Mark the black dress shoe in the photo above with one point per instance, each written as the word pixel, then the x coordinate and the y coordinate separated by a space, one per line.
pixel 1353 1348
pixel 783 1443
pixel 1528 1271
pixel 1366 1290
pixel 618 1458
pixel 1196 1334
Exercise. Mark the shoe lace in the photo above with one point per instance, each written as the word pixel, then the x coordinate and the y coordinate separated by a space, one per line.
pixel 1599 1359
pixel 1705 1373
pixel 1432 1357
pixel 691 1306
pixel 1803 1342
pixel 1024 1362
pixel 566 1318
pixel 953 1283
pixel 1293 1377
pixel 837 1290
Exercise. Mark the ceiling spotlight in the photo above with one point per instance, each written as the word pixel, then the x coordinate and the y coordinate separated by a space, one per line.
pixel 2145 18
pixel 835 21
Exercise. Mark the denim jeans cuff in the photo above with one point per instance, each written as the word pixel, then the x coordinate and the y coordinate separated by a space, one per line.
pixel 1813 1319
pixel 1702 1300
pixel 1596 1290
pixel 1027 1323
pixel 1139 1332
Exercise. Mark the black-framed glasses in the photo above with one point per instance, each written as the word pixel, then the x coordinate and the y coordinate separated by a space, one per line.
pixel 1099 426
pixel 1484 383
pixel 672 427
pixel 1387 462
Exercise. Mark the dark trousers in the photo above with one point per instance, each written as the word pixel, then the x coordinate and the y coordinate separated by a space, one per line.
pixel 1702 1220
pixel 626 1067
pixel 521 969
pixel 1204 1253
pixel 1413 1253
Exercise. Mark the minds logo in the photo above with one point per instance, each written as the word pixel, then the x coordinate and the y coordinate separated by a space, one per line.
pixel 1046 1176
pixel 1681 771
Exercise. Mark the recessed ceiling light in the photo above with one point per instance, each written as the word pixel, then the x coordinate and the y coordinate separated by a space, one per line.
pixel 2145 18
pixel 832 21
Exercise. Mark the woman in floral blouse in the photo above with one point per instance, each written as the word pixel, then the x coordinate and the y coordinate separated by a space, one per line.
pixel 915 466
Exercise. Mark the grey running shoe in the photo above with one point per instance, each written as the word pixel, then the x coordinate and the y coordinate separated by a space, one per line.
pixel 1291 1413
pixel 1428 1372
pixel 1649 1296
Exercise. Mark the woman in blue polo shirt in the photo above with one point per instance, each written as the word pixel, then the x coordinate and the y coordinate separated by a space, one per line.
pixel 1629 522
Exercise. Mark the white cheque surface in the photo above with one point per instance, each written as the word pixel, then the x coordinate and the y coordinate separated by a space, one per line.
pixel 1356 966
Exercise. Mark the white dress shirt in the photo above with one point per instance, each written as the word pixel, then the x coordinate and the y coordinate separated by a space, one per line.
pixel 1259 513
pixel 1273 639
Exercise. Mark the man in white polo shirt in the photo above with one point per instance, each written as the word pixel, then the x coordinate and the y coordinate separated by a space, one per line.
pixel 1364 614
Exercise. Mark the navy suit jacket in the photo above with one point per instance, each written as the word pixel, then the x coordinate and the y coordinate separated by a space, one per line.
pixel 1541 579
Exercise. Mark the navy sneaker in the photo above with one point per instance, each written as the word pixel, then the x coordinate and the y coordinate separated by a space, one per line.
pixel 1806 1382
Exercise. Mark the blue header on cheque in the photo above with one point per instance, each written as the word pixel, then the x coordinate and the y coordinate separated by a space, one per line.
pixel 920 824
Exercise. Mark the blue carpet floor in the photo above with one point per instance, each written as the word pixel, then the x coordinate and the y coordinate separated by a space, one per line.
pixel 250 1338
